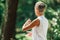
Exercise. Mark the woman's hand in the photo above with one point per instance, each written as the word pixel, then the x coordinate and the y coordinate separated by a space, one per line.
pixel 27 22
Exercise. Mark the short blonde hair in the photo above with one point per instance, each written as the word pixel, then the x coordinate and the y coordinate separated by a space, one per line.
pixel 40 3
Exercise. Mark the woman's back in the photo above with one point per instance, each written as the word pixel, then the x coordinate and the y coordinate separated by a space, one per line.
pixel 40 32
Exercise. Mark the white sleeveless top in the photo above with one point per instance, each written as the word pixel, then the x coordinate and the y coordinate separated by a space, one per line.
pixel 40 32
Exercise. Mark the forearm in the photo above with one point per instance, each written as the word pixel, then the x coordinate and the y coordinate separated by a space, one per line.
pixel 34 23
pixel 25 27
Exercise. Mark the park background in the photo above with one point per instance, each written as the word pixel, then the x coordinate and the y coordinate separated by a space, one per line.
pixel 25 10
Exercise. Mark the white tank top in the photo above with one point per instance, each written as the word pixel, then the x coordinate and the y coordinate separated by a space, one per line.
pixel 40 32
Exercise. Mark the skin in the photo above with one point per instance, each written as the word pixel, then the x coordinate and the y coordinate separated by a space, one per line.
pixel 35 22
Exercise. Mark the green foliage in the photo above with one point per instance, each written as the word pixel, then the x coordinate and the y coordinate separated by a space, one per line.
pixel 25 11
pixel 1 11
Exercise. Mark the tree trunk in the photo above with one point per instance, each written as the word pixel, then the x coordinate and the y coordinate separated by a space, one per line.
pixel 9 28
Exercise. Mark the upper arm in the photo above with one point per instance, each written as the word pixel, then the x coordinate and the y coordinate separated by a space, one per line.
pixel 34 23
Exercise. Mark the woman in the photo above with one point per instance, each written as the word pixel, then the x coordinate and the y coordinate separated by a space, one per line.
pixel 39 25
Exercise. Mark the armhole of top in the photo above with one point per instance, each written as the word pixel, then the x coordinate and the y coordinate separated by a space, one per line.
pixel 39 20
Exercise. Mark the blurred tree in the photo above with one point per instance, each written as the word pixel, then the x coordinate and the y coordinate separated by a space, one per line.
pixel 10 20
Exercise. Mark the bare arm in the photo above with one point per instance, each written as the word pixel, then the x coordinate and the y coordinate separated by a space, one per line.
pixel 34 23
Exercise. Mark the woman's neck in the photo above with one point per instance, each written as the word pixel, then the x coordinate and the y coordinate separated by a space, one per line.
pixel 40 14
